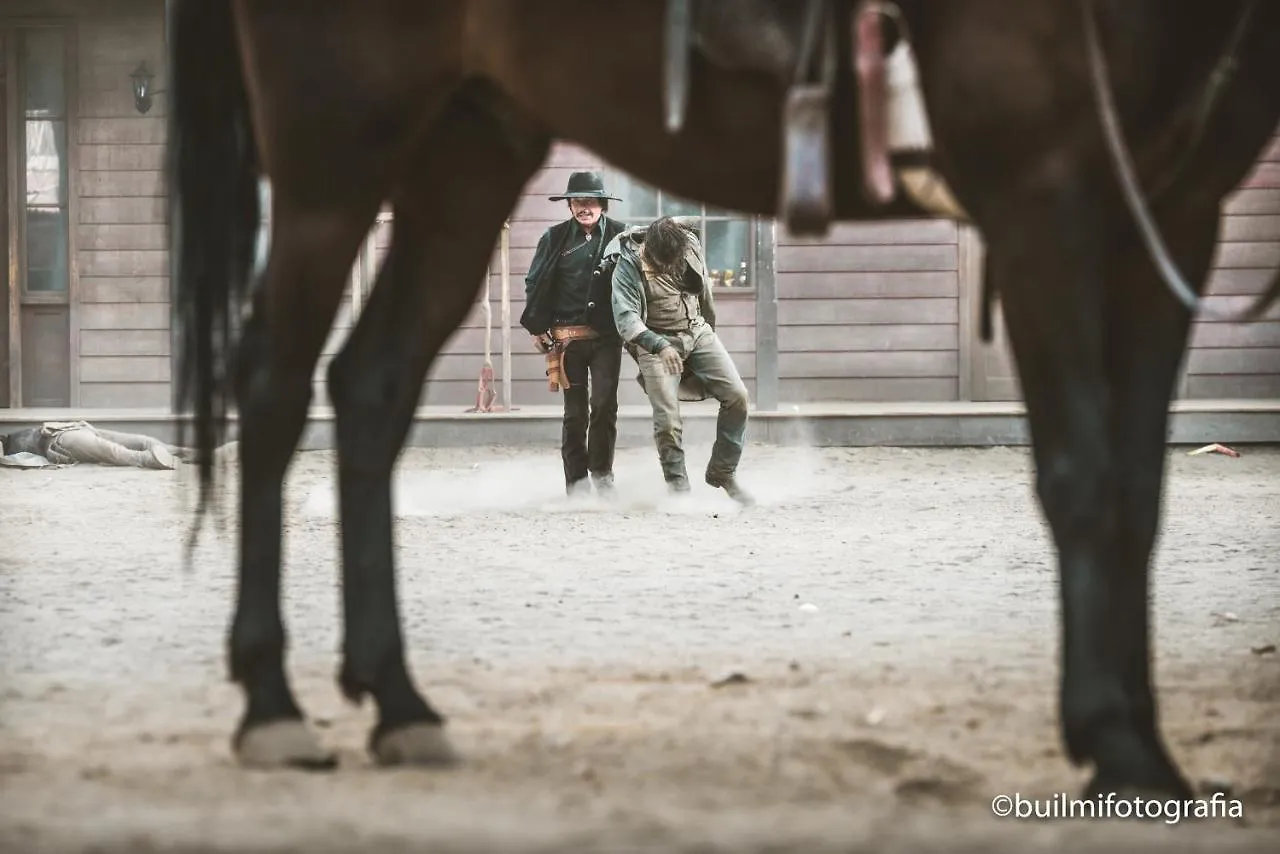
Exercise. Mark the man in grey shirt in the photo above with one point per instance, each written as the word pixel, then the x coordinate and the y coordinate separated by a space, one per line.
pixel 665 315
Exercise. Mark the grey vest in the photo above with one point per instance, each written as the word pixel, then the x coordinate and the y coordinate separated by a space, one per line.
pixel 669 307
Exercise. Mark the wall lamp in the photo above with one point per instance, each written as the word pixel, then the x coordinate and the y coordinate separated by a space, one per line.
pixel 142 91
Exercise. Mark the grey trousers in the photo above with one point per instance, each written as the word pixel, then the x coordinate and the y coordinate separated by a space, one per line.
pixel 709 361
pixel 88 444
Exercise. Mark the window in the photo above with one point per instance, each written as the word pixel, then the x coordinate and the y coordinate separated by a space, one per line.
pixel 42 57
pixel 728 237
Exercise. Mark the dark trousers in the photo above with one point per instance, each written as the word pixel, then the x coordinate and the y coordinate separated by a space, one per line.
pixel 590 429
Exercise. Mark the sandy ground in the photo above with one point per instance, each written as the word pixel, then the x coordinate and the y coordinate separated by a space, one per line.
pixel 894 612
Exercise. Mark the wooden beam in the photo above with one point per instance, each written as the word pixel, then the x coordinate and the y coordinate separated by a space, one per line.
pixel 9 127
pixel 970 305
pixel 169 238
pixel 767 384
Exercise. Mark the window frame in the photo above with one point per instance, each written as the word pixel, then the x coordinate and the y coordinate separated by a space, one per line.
pixel 20 116
pixel 755 229
pixel 13 126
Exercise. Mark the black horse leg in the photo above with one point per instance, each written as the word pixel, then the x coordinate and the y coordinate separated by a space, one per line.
pixel 448 212
pixel 1147 334
pixel 1050 267
pixel 304 281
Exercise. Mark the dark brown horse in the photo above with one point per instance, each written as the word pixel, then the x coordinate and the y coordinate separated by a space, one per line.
pixel 445 109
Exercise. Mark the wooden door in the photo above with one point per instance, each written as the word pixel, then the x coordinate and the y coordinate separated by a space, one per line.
pixel 6 272
pixel 37 204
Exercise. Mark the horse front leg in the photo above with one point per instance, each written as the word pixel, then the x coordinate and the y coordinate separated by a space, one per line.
pixel 1050 268
pixel 292 314
pixel 1147 336
pixel 463 183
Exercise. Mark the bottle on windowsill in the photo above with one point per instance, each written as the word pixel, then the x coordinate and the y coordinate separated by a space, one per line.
pixel 742 274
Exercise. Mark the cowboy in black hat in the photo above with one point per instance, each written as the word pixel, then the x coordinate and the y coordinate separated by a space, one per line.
pixel 568 311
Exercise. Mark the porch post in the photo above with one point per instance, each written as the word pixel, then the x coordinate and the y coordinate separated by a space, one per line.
pixel 766 318
pixel 171 242
pixel 969 297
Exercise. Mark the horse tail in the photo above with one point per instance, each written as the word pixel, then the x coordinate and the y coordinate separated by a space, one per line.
pixel 212 167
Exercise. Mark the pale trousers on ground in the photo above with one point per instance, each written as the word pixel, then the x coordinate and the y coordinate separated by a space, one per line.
pixel 89 444
pixel 706 357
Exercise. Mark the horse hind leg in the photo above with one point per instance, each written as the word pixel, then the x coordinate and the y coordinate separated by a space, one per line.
pixel 332 159
pixel 448 212
pixel 1050 269
pixel 310 251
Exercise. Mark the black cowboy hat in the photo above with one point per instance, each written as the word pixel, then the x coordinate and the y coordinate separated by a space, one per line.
pixel 584 185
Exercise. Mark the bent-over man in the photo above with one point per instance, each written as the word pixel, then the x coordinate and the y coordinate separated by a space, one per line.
pixel 664 312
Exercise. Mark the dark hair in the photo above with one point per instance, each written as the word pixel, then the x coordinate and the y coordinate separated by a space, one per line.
pixel 665 242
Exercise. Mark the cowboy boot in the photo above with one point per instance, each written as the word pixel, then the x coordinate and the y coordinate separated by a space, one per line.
pixel 603 483
pixel 731 486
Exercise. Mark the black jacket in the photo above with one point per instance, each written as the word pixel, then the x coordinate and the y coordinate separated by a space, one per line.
pixel 539 288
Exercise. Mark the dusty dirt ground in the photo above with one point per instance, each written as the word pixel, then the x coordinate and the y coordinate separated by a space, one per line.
pixel 895 612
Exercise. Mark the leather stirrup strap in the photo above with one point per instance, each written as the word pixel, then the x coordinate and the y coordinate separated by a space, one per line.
pixel 806 192
pixel 675 64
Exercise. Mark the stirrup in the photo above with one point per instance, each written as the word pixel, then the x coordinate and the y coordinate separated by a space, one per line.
pixel 806 195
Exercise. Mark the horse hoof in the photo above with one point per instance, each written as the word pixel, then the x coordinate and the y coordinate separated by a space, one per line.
pixel 413 744
pixel 283 744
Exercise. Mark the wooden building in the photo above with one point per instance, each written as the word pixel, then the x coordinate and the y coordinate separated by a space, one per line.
pixel 873 312
pixel 882 311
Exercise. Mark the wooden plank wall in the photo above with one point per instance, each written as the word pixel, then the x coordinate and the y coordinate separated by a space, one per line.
pixel 342 325
pixel 121 239
pixel 1231 360
pixel 454 376
pixel 870 312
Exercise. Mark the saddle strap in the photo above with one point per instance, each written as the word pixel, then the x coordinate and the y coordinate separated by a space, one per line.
pixel 675 65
